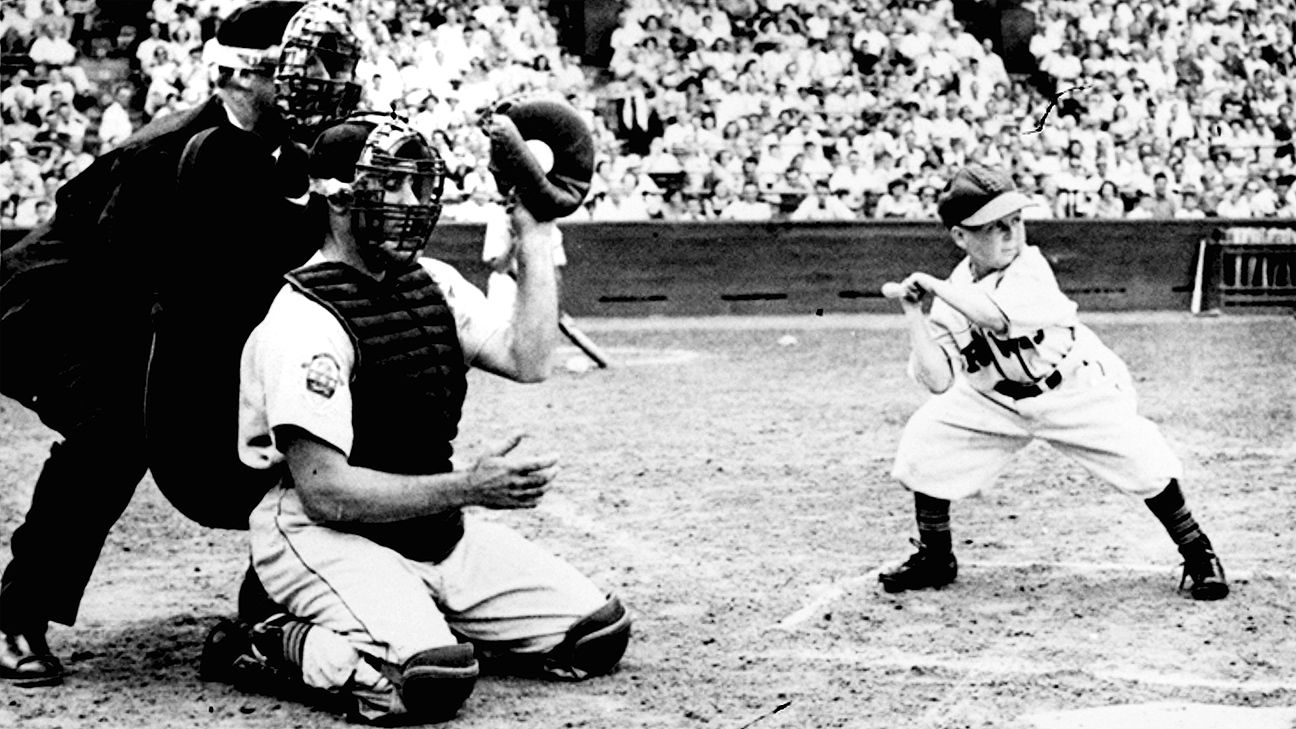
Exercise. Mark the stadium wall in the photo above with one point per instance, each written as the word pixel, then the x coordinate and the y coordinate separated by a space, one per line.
pixel 641 269
pixel 665 269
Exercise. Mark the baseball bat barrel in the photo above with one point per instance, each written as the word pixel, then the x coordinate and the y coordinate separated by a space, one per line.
pixel 568 327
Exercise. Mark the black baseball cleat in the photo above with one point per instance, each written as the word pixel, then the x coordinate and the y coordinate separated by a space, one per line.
pixel 228 656
pixel 26 660
pixel 924 568
pixel 1203 570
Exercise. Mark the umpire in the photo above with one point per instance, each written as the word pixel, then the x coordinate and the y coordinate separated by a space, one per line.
pixel 123 318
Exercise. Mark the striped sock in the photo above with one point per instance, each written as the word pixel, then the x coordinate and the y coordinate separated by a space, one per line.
pixel 933 522
pixel 294 641
pixel 281 638
pixel 1172 511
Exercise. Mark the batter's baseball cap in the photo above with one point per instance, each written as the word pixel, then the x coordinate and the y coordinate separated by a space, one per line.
pixel 978 195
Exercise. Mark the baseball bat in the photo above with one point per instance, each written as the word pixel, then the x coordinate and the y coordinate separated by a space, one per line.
pixel 1198 282
pixel 568 327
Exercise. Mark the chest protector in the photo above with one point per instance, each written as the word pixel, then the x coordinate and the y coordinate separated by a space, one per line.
pixel 407 387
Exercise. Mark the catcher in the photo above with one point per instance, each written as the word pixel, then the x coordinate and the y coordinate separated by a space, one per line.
pixel 161 258
pixel 1010 362
pixel 395 596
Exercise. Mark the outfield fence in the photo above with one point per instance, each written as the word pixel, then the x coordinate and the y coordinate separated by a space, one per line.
pixel 638 269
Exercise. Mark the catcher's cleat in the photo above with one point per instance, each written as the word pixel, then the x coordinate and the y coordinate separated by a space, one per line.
pixel 251 657
pixel 228 656
pixel 924 568
pixel 1203 570
pixel 27 662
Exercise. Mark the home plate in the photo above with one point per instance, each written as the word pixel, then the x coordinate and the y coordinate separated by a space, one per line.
pixel 1165 715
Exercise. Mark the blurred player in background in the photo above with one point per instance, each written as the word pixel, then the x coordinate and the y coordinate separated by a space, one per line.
pixel 1010 362
pixel 352 390
pixel 124 317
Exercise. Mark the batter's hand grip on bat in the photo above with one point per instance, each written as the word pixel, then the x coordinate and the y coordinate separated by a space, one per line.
pixel 893 290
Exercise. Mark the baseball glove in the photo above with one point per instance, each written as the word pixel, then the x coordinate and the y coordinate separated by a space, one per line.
pixel 544 151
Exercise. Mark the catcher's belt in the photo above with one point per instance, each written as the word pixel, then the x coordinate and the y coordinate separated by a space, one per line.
pixel 1023 390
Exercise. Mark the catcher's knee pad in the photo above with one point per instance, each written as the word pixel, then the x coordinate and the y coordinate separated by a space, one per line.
pixel 436 682
pixel 593 646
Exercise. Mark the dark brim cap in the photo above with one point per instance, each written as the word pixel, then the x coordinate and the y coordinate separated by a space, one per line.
pixel 978 195
pixel 251 35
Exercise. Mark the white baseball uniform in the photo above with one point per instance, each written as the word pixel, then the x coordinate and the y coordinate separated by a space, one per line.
pixel 496 589
pixel 1048 377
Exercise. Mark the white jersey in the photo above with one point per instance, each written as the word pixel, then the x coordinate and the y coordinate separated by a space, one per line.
pixel 297 364
pixel 1042 324
pixel 1048 377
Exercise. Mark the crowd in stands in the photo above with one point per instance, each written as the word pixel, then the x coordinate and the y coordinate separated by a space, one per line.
pixel 1178 109
pixel 742 109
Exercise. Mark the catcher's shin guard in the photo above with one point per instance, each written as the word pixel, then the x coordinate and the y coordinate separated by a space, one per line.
pixel 593 646
pixel 435 683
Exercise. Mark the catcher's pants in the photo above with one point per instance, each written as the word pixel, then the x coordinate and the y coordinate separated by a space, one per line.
pixel 496 589
pixel 958 442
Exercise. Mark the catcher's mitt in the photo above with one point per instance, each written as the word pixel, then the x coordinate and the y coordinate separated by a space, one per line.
pixel 542 149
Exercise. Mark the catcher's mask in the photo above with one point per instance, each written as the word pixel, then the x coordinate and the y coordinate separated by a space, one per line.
pixel 389 177
pixel 315 80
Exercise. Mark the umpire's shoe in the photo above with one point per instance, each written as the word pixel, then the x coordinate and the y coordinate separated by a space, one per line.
pixel 1203 570
pixel 26 660
pixel 924 568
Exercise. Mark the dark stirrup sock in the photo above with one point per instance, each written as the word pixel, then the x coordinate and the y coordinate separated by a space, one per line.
pixel 1171 510
pixel 933 522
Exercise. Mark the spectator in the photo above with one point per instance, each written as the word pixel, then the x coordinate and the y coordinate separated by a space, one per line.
pixel 1042 191
pixel 20 175
pixel 1285 192
pixel 898 201
pixel 18 100
pixel 1162 201
pixel 927 199
pixel 619 203
pixel 1107 204
pixel 1145 208
pixel 1233 203
pixel 749 206
pixel 479 207
pixel 9 212
pixel 660 160
pixel 852 176
pixel 116 124
pixel 1189 205
pixel 1260 198
pixel 52 48
pixel 637 119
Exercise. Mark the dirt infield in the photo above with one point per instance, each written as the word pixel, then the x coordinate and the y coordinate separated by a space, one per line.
pixel 729 480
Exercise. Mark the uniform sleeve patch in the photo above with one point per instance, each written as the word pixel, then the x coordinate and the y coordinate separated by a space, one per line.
pixel 323 375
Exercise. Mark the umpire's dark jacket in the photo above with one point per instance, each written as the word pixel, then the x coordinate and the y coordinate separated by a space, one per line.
pixel 161 265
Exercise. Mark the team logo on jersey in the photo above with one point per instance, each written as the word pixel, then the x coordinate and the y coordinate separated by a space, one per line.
pixel 323 375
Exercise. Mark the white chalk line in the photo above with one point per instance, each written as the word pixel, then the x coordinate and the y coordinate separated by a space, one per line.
pixel 565 510
pixel 1008 666
pixel 825 595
